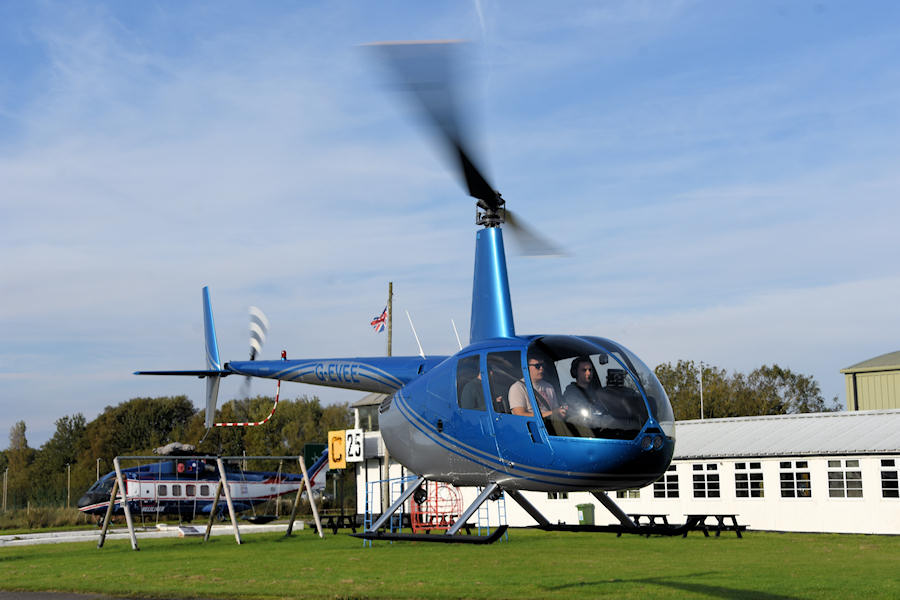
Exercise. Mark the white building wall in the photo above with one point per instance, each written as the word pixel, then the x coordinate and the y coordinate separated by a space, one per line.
pixel 818 513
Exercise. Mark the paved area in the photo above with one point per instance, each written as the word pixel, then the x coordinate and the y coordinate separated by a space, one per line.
pixel 54 596
pixel 93 535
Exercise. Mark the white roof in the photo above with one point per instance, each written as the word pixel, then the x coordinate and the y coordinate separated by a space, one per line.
pixel 833 433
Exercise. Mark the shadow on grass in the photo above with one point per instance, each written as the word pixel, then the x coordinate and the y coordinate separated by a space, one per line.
pixel 715 591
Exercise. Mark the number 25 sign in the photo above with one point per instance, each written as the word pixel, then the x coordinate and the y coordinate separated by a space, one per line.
pixel 344 445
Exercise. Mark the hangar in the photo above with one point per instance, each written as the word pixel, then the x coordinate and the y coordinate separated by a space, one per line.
pixel 874 384
pixel 819 472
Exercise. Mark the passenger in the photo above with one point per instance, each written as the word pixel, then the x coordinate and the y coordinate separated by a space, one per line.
pixel 473 394
pixel 544 393
pixel 586 386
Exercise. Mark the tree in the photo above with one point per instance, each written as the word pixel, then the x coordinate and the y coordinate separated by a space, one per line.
pixel 682 385
pixel 19 457
pixel 777 390
pixel 768 390
pixel 56 458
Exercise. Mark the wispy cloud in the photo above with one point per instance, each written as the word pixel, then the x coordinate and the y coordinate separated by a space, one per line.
pixel 710 171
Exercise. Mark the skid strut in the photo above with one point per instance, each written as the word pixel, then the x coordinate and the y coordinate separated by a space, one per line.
pixel 451 537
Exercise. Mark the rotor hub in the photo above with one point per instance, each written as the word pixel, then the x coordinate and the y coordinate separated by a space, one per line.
pixel 490 216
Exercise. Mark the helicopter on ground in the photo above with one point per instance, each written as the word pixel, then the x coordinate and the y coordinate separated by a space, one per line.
pixel 186 486
pixel 495 414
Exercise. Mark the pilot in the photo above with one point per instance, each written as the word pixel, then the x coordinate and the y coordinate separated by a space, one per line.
pixel 544 393
pixel 586 386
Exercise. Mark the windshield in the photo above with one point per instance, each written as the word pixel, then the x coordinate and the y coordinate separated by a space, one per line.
pixel 599 396
pixel 656 394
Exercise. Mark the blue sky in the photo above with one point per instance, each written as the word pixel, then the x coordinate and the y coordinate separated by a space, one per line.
pixel 723 175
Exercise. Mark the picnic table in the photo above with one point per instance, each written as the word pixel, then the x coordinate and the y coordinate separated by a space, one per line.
pixel 335 522
pixel 649 521
pixel 723 522
pixel 650 518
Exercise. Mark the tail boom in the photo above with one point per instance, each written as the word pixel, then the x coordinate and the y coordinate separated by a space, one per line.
pixel 382 374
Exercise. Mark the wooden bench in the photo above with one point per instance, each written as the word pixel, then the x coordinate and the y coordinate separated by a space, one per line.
pixel 723 522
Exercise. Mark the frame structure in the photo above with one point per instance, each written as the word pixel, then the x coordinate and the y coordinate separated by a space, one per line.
pixel 119 485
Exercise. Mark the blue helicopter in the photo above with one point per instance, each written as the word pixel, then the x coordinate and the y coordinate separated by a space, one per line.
pixel 509 412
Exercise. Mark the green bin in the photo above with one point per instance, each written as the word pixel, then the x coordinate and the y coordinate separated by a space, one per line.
pixel 585 514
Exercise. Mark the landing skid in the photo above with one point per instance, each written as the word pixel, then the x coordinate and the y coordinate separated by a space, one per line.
pixel 648 530
pixel 425 537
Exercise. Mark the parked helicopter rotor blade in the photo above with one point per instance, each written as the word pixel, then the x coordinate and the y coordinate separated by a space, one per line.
pixel 427 69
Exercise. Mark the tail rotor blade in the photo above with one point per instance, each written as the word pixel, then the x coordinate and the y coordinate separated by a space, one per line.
pixel 259 328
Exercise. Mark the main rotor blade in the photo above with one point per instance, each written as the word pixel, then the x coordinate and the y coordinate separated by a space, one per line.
pixel 529 241
pixel 427 70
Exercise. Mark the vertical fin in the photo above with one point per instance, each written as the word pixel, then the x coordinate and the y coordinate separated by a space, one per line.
pixel 212 359
pixel 491 304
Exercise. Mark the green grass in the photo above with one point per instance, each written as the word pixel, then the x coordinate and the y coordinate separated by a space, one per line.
pixel 531 565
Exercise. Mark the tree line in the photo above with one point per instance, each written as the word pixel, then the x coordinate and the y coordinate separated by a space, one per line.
pixel 78 449
pixel 768 390
pixel 70 459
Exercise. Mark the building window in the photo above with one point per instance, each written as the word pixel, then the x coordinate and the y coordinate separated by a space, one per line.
pixel 368 417
pixel 844 479
pixel 667 485
pixel 795 479
pixel 748 480
pixel 557 495
pixel 161 490
pixel 889 487
pixel 706 481
pixel 628 494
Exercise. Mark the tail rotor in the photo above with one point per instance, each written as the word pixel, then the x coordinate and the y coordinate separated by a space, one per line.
pixel 259 329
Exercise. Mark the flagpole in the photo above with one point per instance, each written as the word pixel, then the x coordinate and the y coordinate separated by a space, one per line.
pixel 389 313
pixel 385 486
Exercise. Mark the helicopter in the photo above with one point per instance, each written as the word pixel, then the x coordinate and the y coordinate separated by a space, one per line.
pixel 187 487
pixel 493 415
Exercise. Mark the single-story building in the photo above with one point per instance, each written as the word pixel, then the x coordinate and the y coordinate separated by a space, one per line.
pixel 819 472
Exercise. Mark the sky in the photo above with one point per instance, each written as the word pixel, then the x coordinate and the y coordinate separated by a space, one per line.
pixel 722 175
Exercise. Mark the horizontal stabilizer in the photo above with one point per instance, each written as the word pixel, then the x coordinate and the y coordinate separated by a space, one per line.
pixel 205 373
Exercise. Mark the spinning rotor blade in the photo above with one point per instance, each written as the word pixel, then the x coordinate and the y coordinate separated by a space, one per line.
pixel 259 327
pixel 529 241
pixel 427 70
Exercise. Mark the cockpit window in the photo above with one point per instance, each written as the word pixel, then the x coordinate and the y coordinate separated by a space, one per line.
pixel 504 370
pixel 600 396
pixel 469 391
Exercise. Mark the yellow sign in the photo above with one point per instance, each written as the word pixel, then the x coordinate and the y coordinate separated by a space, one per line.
pixel 337 455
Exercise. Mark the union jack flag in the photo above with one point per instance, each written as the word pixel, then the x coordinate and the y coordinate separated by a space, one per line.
pixel 378 322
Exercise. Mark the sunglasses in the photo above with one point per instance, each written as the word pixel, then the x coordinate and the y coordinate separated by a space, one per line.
pixel 537 365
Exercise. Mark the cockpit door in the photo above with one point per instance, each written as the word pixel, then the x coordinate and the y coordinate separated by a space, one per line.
pixel 521 441
pixel 471 425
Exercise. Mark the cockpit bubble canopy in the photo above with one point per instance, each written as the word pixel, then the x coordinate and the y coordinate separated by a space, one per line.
pixel 605 388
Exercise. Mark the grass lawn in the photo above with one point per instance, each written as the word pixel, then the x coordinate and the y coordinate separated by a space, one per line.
pixel 531 564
